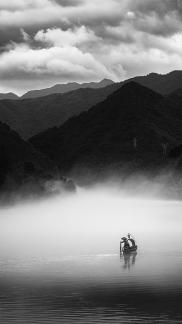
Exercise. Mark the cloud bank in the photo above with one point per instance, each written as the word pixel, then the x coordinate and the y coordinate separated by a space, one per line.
pixel 43 42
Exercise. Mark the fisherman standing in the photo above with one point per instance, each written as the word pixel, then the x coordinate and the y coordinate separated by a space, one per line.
pixel 124 241
pixel 131 240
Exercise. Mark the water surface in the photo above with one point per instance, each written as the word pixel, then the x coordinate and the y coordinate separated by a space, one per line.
pixel 60 261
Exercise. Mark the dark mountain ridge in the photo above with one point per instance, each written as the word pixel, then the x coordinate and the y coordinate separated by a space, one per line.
pixel 67 87
pixel 24 171
pixel 9 95
pixel 58 88
pixel 162 83
pixel 19 160
pixel 128 129
pixel 31 116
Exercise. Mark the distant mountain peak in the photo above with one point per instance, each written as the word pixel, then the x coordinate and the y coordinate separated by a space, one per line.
pixel 133 88
pixel 106 80
pixel 161 83
pixel 109 132
pixel 8 95
pixel 66 87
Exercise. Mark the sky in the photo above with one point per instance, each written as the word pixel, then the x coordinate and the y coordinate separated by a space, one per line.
pixel 45 42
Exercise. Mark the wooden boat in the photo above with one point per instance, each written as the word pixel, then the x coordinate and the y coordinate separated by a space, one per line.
pixel 130 249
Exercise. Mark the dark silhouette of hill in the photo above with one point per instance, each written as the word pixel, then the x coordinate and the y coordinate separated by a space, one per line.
pixel 9 95
pixel 162 83
pixel 31 116
pixel 24 171
pixel 19 160
pixel 63 88
pixel 133 128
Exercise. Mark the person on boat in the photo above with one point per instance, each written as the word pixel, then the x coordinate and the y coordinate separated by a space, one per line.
pixel 131 240
pixel 125 243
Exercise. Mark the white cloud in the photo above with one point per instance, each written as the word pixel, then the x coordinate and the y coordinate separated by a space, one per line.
pixel 67 62
pixel 41 12
pixel 26 36
pixel 22 4
pixel 58 37
pixel 31 17
pixel 83 40
pixel 130 14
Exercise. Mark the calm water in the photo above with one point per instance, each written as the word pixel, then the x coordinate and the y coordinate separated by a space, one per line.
pixel 60 261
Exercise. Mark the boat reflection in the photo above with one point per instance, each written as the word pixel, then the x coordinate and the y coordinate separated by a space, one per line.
pixel 128 259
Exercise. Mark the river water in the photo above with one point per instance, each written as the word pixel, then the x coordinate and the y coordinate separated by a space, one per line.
pixel 60 260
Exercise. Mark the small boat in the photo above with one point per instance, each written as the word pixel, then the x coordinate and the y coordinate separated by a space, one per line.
pixel 128 244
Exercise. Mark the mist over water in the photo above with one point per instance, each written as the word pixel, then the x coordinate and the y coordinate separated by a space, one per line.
pixel 63 252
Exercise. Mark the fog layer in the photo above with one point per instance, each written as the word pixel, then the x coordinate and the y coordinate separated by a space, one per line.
pixel 90 221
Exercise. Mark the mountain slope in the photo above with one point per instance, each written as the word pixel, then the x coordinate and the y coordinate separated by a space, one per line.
pixel 20 162
pixel 31 116
pixel 9 95
pixel 164 84
pixel 128 128
pixel 63 88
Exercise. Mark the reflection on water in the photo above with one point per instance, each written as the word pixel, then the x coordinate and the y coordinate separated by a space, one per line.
pixel 60 262
pixel 129 259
